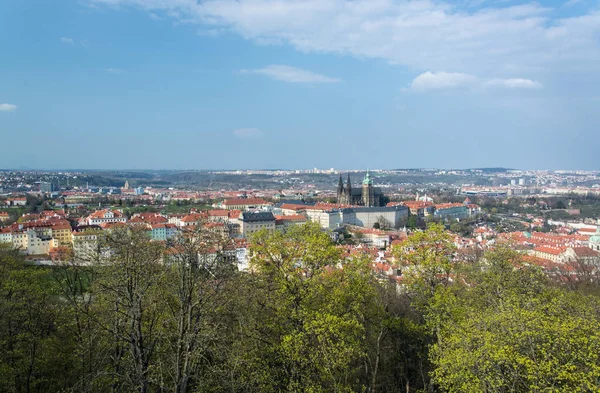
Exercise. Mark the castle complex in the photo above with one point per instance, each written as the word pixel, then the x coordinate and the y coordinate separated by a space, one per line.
pixel 366 196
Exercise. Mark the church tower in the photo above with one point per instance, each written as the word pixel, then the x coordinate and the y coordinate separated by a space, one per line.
pixel 349 191
pixel 368 193
pixel 340 190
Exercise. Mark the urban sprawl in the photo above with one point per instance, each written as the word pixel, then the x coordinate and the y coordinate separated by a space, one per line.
pixel 549 216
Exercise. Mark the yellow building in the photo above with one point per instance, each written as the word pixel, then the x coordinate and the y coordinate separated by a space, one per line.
pixel 63 233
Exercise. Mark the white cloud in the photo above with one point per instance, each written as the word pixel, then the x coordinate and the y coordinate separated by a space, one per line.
pixel 8 108
pixel 428 81
pixel 442 81
pixel 514 83
pixel 421 34
pixel 291 74
pixel 67 40
pixel 247 133
pixel 115 71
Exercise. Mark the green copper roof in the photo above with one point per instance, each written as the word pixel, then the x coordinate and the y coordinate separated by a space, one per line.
pixel 367 179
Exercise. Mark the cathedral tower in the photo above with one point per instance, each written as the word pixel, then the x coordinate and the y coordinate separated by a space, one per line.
pixel 368 194
pixel 349 191
pixel 340 189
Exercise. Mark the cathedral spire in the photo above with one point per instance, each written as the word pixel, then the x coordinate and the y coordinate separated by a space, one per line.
pixel 340 190
pixel 368 193
pixel 367 178
pixel 349 190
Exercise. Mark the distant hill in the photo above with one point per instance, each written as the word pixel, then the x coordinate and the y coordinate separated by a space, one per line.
pixel 492 170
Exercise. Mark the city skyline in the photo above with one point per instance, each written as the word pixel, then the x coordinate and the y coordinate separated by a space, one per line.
pixel 149 84
pixel 300 169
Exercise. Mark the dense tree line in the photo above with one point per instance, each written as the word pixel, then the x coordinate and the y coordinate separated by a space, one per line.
pixel 148 317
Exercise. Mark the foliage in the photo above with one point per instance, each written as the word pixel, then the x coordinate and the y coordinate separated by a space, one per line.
pixel 306 317
pixel 312 307
pixel 427 260
pixel 510 331
pixel 32 350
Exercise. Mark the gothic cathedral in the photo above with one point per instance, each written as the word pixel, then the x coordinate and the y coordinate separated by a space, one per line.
pixel 366 196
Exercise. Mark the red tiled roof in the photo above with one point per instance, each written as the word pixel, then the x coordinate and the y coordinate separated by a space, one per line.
pixel 549 250
pixel 244 201
pixel 440 206
pixel 588 230
pixel 293 217
pixel 101 213
pixel 218 213
pixel 234 213
pixel 195 217
pixel 585 252
pixel 162 225
pixel 291 206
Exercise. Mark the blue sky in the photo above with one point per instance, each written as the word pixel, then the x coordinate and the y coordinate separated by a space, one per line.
pixel 182 84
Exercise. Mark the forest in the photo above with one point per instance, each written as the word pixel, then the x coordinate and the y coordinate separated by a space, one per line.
pixel 143 316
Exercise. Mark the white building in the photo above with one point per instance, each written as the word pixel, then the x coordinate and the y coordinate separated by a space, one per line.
pixel 29 242
pixel 105 216
pixel 368 216
pixel 358 216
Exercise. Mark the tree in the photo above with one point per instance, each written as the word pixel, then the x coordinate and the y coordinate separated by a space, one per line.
pixel 411 222
pixel 456 227
pixel 427 260
pixel 199 272
pixel 311 330
pixel 383 223
pixel 130 304
pixel 507 330
pixel 90 346
pixel 581 274
pixel 32 352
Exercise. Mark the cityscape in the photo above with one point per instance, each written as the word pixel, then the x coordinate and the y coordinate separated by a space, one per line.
pixel 303 196
pixel 549 215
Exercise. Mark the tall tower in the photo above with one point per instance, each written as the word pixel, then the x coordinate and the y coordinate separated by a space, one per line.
pixel 340 190
pixel 368 194
pixel 349 191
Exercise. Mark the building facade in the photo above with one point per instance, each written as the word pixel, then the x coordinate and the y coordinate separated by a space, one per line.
pixel 366 217
pixel 367 195
pixel 452 211
pixel 254 222
pixel 105 216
